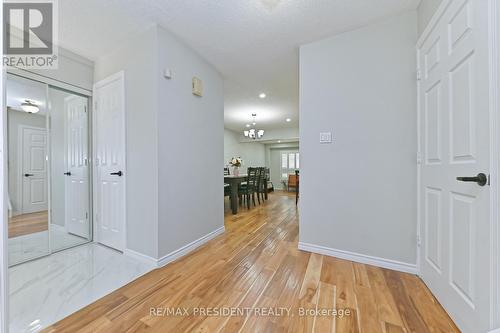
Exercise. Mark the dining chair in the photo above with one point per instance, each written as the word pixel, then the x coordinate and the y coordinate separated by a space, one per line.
pixel 227 187
pixel 270 185
pixel 258 187
pixel 297 187
pixel 247 191
pixel 262 188
pixel 292 182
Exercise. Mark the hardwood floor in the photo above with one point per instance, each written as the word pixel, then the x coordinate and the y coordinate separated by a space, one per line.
pixel 256 264
pixel 25 224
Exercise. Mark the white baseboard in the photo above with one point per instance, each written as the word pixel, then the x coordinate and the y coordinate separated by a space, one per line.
pixel 141 257
pixel 361 258
pixel 189 247
pixel 172 256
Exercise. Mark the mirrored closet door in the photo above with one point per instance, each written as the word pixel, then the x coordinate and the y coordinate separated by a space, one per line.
pixel 48 169
pixel 69 169
pixel 28 178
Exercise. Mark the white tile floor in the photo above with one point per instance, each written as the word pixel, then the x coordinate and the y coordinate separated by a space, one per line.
pixel 35 245
pixel 46 290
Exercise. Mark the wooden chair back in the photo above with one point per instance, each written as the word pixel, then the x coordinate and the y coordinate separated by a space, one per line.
pixel 297 186
pixel 292 180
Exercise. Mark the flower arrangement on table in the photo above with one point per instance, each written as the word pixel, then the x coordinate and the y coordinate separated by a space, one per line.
pixel 236 162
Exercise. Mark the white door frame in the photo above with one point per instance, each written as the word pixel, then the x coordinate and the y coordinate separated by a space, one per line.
pixel 494 46
pixel 3 207
pixel 117 76
pixel 494 41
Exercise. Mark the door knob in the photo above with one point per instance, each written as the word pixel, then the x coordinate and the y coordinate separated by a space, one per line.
pixel 481 179
pixel 28 175
pixel 68 173
pixel 119 173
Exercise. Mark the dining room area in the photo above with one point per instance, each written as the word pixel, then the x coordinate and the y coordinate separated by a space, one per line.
pixel 255 170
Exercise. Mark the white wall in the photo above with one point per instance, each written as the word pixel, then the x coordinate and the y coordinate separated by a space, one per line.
pixel 73 69
pixel 3 211
pixel 358 194
pixel 139 59
pixel 191 147
pixel 425 11
pixel 252 153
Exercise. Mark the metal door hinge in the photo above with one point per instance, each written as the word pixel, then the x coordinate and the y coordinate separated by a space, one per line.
pixel 87 215
pixel 419 158
pixel 419 75
pixel 419 241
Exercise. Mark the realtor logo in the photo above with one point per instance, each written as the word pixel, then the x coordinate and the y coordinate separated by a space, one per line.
pixel 30 34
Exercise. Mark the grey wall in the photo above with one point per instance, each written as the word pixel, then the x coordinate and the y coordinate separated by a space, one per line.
pixel 425 11
pixel 191 147
pixel 174 142
pixel 139 59
pixel 252 153
pixel 358 194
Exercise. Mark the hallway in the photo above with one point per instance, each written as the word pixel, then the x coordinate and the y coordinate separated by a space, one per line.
pixel 256 264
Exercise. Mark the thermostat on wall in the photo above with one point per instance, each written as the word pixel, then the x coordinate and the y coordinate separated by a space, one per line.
pixel 325 137
pixel 197 87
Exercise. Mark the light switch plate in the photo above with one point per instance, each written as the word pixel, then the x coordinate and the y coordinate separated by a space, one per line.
pixel 197 87
pixel 167 73
pixel 325 137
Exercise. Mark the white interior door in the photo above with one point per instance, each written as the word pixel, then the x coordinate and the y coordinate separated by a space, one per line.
pixel 109 125
pixel 454 142
pixel 77 172
pixel 34 169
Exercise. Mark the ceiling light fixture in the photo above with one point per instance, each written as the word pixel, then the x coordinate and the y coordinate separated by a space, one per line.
pixel 262 95
pixel 288 120
pixel 253 133
pixel 247 125
pixel 30 107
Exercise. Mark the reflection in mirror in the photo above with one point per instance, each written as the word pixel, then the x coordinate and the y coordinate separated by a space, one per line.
pixel 70 213
pixel 27 169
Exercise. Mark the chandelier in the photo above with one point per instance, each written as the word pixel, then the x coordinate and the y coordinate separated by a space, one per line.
pixel 253 133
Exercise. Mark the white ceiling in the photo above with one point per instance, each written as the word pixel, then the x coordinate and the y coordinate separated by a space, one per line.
pixel 253 43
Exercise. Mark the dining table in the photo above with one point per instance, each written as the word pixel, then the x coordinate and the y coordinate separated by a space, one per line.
pixel 234 181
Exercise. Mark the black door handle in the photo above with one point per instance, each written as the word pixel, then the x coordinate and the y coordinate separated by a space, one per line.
pixel 68 173
pixel 481 179
pixel 119 173
pixel 28 175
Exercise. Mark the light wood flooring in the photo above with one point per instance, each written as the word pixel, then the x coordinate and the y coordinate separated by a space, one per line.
pixel 256 264
pixel 25 224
